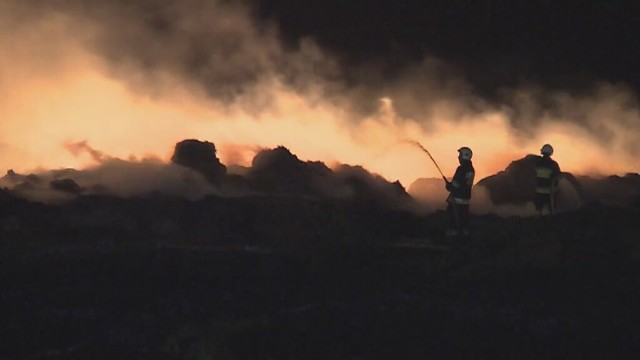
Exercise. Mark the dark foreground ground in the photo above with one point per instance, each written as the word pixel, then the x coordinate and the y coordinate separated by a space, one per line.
pixel 163 278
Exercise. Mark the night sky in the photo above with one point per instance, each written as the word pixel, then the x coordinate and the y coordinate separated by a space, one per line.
pixel 559 44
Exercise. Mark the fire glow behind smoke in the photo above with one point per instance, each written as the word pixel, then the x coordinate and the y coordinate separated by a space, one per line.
pixel 55 91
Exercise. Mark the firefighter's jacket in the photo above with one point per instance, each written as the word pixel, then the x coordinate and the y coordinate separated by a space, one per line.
pixel 547 175
pixel 460 185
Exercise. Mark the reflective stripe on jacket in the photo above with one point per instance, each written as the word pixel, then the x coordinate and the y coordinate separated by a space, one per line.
pixel 462 182
pixel 547 175
pixel 544 190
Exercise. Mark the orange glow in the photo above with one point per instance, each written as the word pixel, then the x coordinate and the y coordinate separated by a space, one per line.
pixel 47 104
pixel 93 108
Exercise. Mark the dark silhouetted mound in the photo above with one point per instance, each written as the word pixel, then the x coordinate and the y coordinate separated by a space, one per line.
pixel 517 184
pixel 65 185
pixel 14 178
pixel 612 190
pixel 278 171
pixel 371 188
pixel 430 191
pixel 200 156
pixel 274 172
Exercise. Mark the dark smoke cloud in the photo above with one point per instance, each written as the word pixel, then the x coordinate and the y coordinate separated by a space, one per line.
pixel 226 46
pixel 495 43
pixel 609 112
pixel 538 62
pixel 218 48
pixel 209 46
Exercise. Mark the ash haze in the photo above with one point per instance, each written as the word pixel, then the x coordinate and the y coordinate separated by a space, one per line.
pixel 132 78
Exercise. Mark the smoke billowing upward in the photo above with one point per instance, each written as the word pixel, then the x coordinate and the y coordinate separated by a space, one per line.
pixel 80 147
pixel 493 43
pixel 134 78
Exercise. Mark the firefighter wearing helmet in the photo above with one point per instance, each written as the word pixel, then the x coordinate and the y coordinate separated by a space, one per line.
pixel 547 178
pixel 459 189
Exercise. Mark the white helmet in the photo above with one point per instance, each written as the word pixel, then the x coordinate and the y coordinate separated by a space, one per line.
pixel 465 153
pixel 546 150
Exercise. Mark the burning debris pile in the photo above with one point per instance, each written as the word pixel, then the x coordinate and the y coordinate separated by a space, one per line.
pixel 516 185
pixel 195 171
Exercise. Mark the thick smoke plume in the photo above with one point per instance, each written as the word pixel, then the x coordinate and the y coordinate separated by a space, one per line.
pixel 134 78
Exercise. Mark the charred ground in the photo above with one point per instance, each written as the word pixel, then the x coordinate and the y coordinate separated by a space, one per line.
pixel 295 260
pixel 161 277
